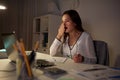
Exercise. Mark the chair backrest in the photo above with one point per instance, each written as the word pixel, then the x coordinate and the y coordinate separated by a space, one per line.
pixel 117 61
pixel 102 52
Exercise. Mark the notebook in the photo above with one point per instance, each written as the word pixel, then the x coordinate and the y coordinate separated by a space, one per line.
pixel 8 40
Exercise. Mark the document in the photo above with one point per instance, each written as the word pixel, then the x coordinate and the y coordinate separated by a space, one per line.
pixel 58 59
pixel 98 74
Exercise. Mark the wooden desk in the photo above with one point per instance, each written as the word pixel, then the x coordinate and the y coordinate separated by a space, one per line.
pixel 72 68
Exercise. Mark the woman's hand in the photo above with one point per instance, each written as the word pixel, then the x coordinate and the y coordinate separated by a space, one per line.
pixel 77 58
pixel 61 31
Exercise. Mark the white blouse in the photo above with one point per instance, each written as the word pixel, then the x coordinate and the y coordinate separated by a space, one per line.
pixel 83 46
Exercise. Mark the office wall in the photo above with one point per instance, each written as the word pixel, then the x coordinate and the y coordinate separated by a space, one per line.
pixel 7 17
pixel 101 18
pixel 19 17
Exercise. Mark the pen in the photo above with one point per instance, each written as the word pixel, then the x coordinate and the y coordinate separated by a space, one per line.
pixel 65 60
pixel 25 58
pixel 94 69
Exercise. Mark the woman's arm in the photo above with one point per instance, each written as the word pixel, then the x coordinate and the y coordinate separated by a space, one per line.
pixel 78 59
pixel 91 56
pixel 55 47
pixel 86 48
pixel 57 42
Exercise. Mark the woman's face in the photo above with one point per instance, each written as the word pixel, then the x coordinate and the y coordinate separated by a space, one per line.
pixel 69 24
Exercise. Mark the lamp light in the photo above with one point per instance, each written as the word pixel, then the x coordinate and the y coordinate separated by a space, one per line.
pixel 2 7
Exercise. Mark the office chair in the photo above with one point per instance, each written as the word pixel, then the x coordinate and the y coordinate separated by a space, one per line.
pixel 117 61
pixel 102 53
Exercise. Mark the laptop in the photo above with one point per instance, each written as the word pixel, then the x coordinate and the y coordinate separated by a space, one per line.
pixel 8 40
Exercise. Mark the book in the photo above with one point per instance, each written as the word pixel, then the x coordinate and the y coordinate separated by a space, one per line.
pixel 54 72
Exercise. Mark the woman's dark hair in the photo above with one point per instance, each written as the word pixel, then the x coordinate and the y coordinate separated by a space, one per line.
pixel 75 18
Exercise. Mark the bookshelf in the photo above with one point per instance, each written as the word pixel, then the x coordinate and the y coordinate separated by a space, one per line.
pixel 45 30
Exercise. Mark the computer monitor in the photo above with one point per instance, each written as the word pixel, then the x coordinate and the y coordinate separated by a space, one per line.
pixel 8 40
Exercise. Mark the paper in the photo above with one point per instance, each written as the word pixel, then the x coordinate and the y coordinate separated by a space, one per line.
pixel 58 59
pixel 98 74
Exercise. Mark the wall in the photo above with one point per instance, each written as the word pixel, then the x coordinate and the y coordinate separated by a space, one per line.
pixel 19 17
pixel 8 18
pixel 101 18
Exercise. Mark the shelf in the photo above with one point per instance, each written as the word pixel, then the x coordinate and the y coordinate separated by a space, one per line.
pixel 45 30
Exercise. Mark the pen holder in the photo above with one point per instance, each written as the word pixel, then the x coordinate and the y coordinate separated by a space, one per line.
pixel 21 68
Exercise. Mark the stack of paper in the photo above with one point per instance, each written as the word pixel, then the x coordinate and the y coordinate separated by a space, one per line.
pixel 98 74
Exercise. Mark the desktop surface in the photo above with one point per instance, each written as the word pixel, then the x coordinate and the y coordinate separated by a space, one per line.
pixel 73 71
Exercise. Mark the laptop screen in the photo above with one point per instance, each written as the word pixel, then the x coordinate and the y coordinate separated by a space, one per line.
pixel 8 40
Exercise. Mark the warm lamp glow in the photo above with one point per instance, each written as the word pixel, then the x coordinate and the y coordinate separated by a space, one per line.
pixel 2 7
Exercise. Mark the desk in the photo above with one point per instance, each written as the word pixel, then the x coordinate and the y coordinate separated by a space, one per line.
pixel 72 68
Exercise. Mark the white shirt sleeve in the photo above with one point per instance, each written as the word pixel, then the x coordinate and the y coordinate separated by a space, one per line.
pixel 54 47
pixel 86 48
pixel 89 54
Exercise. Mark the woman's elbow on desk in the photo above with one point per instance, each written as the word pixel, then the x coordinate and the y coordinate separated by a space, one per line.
pixel 52 53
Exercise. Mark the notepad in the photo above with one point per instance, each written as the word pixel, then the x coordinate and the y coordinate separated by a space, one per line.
pixel 41 63
pixel 54 72
pixel 98 74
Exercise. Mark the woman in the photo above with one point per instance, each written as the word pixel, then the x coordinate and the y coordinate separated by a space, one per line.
pixel 76 43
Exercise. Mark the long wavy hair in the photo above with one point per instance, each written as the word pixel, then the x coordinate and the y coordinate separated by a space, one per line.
pixel 75 17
